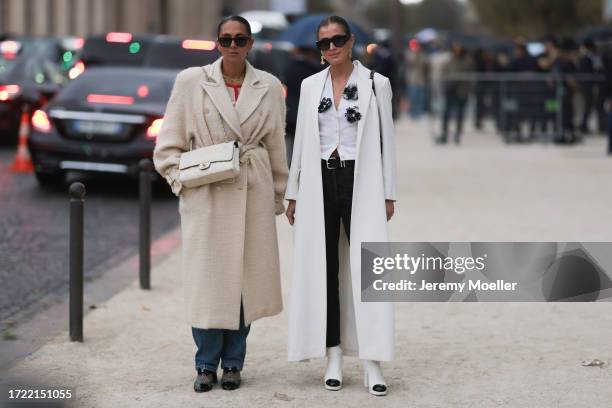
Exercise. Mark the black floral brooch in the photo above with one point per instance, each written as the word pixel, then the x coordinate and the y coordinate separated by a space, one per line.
pixel 350 92
pixel 325 104
pixel 352 114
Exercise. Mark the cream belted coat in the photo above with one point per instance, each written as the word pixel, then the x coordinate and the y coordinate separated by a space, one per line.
pixel 230 248
pixel 366 328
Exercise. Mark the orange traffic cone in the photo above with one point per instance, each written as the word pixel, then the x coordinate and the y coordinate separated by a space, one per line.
pixel 23 161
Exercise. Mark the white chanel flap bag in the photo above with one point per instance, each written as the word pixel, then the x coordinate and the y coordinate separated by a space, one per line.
pixel 209 164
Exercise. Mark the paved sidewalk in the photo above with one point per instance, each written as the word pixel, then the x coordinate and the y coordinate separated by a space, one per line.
pixel 138 353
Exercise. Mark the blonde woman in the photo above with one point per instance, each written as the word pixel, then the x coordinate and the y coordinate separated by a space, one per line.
pixel 341 189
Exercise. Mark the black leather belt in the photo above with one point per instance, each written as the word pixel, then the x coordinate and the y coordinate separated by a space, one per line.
pixel 334 162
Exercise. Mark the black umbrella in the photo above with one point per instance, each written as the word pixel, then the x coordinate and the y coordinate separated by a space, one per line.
pixel 303 33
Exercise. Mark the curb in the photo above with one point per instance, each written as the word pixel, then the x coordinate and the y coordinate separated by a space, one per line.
pixel 35 331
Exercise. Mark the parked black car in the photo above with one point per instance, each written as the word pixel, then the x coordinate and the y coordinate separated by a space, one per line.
pixel 271 56
pixel 104 121
pixel 179 53
pixel 30 74
pixel 115 49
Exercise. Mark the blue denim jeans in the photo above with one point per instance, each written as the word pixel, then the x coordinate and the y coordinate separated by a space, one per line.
pixel 417 100
pixel 214 345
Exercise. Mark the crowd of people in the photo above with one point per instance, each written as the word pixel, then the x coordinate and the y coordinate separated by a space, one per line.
pixel 518 88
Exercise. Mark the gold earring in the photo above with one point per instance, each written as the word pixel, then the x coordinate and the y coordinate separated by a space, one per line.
pixel 322 60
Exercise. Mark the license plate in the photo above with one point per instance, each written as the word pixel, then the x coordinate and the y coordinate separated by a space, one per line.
pixel 101 128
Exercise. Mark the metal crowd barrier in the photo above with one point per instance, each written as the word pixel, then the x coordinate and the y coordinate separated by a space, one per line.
pixel 549 105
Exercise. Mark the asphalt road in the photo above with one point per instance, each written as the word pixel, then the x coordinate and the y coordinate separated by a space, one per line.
pixel 34 237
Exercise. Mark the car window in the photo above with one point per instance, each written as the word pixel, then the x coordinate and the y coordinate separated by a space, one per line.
pixel 52 72
pixel 99 51
pixel 7 66
pixel 174 55
pixel 34 71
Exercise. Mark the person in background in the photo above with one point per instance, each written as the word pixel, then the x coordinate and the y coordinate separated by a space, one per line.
pixel 480 66
pixel 588 64
pixel 564 66
pixel 456 91
pixel 385 64
pixel 303 63
pixel 438 57
pixel 526 93
pixel 606 90
pixel 418 71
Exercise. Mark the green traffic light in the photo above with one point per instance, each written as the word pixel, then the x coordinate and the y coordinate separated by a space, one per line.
pixel 134 47
pixel 67 56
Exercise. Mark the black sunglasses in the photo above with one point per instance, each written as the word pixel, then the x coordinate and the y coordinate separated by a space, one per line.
pixel 240 40
pixel 339 40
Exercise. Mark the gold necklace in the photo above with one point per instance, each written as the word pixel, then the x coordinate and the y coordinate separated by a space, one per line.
pixel 236 80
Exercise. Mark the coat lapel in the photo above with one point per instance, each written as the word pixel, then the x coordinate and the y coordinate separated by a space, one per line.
pixel 214 85
pixel 251 92
pixel 315 98
pixel 364 85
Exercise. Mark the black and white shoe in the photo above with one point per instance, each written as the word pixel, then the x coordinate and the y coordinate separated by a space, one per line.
pixel 373 378
pixel 333 374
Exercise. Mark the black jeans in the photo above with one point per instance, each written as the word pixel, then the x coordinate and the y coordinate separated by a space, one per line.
pixel 610 133
pixel 453 104
pixel 337 203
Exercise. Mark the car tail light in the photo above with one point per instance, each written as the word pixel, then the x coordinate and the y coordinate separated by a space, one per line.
pixel 198 45
pixel 77 70
pixel 154 129
pixel 78 43
pixel 143 91
pixel 9 49
pixel 40 121
pixel 8 92
pixel 110 99
pixel 119 37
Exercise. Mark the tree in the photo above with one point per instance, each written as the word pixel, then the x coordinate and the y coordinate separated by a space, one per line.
pixel 535 18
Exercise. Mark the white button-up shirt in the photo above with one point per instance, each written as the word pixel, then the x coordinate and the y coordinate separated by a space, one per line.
pixel 335 130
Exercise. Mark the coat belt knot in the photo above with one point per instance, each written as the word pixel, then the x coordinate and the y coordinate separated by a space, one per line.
pixel 247 150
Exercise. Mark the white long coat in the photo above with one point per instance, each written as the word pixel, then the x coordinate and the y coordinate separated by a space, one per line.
pixel 366 328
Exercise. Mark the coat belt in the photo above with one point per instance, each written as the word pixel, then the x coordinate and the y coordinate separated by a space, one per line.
pixel 247 150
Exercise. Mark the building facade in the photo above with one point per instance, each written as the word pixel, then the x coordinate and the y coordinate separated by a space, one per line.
pixel 83 17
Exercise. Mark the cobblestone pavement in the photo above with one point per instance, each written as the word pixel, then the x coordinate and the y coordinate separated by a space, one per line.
pixel 34 235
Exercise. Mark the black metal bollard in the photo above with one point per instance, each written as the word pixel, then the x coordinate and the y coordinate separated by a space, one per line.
pixel 146 167
pixel 77 195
